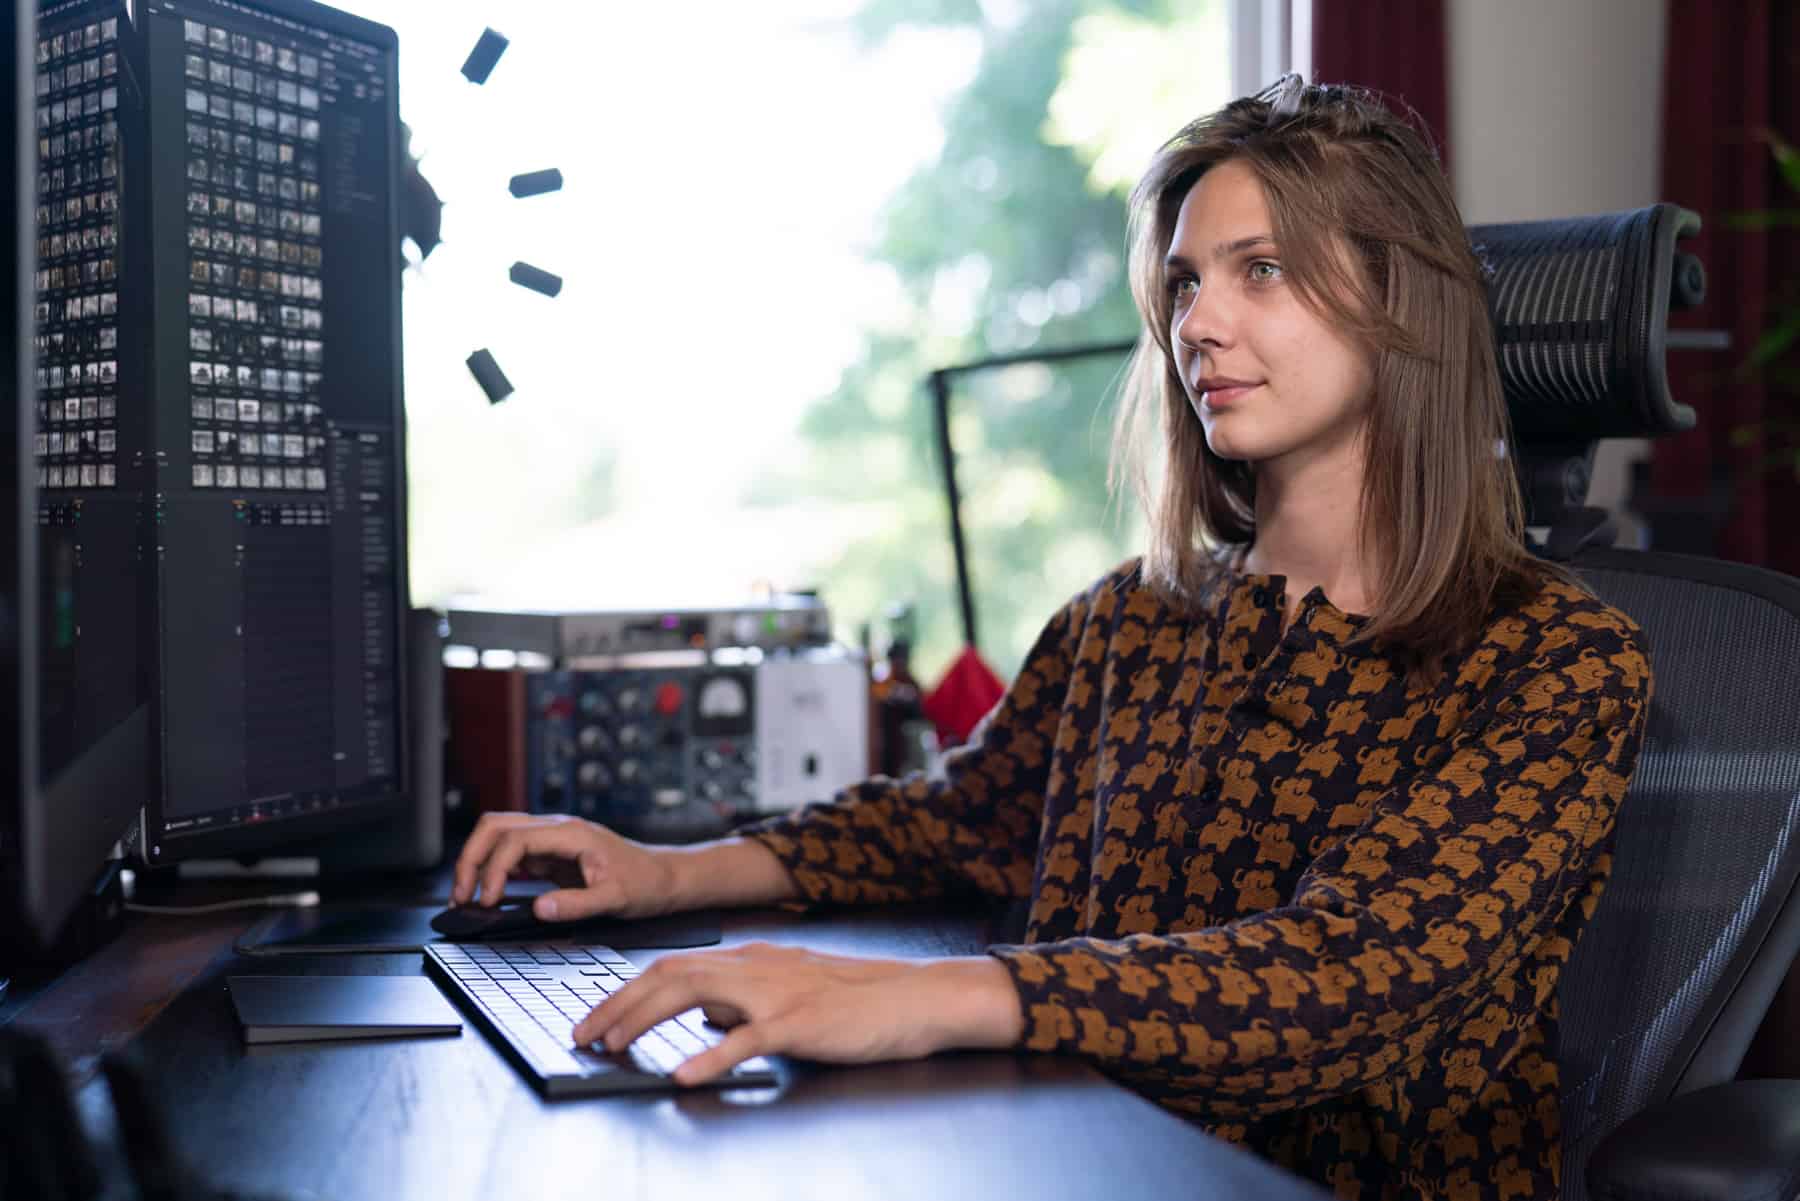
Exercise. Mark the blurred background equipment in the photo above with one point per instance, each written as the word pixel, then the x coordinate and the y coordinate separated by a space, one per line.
pixel 536 183
pixel 970 687
pixel 482 59
pixel 788 621
pixel 537 279
pixel 487 373
pixel 670 726
pixel 421 212
pixel 903 740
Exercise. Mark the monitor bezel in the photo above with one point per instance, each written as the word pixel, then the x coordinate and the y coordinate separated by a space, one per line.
pixel 20 836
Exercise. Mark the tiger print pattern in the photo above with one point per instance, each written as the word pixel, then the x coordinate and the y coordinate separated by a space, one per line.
pixel 1272 885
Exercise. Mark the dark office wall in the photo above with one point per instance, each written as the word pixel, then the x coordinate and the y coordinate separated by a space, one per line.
pixel 1733 78
pixel 1398 47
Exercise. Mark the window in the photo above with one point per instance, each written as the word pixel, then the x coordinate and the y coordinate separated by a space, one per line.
pixel 776 219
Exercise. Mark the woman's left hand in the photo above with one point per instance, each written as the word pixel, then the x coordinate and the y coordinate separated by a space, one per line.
pixel 785 1000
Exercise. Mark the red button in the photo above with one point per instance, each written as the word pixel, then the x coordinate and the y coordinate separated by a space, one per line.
pixel 668 698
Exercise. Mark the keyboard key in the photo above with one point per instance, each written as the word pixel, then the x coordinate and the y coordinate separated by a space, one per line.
pixel 659 1055
pixel 694 1021
pixel 685 1041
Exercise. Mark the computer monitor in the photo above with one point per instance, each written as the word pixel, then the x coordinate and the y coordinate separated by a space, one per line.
pixel 79 766
pixel 221 464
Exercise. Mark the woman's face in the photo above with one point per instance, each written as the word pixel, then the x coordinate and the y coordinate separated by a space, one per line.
pixel 1236 320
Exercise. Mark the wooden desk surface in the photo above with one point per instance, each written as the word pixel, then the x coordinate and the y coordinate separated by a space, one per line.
pixel 449 1119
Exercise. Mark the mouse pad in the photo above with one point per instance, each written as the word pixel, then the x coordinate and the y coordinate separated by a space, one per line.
pixel 347 929
pixel 288 1009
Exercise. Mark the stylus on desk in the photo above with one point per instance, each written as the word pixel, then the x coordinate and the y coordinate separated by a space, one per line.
pixel 307 899
pixel 286 900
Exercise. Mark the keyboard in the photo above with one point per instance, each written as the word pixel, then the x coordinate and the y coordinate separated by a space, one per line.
pixel 527 997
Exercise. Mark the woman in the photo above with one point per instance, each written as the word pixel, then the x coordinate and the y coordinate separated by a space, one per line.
pixel 1309 824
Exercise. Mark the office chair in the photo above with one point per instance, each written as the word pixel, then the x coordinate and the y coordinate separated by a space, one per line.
pixel 1699 924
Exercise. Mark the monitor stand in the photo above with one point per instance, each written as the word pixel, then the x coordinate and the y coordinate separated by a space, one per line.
pixel 376 912
pixel 304 888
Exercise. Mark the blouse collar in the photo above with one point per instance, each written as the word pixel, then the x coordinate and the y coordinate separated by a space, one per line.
pixel 1230 559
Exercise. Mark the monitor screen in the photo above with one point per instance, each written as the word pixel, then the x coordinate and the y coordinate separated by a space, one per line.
pixel 77 722
pixel 221 407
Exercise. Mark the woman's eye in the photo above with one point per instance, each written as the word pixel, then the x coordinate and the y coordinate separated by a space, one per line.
pixel 1270 271
pixel 1180 287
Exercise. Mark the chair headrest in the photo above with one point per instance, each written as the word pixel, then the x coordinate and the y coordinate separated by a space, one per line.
pixel 1580 308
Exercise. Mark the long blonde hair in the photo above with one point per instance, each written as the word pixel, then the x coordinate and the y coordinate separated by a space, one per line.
pixel 1441 506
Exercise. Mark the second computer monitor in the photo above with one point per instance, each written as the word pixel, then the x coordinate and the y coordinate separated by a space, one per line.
pixel 222 419
pixel 74 724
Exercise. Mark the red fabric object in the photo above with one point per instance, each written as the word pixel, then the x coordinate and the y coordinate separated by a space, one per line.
pixel 1732 71
pixel 1399 48
pixel 963 697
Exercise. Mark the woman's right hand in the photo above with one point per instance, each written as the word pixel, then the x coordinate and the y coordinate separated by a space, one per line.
pixel 597 871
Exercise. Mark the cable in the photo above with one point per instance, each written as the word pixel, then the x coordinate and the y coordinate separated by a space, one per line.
pixel 286 900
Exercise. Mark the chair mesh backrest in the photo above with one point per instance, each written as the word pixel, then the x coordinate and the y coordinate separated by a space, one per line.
pixel 1708 841
pixel 1580 308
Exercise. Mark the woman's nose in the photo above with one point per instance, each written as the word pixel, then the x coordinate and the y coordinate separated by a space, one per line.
pixel 1203 322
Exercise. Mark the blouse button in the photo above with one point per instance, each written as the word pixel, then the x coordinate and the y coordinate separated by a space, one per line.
pixel 1209 794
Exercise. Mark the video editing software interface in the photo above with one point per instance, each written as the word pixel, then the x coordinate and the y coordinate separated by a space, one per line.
pixel 219 450
pixel 92 621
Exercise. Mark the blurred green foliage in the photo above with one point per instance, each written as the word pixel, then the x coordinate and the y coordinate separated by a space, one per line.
pixel 1775 359
pixel 1002 245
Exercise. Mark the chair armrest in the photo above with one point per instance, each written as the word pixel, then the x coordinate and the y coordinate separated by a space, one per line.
pixel 1731 1142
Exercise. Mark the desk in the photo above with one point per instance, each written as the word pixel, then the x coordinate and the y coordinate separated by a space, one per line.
pixel 449 1119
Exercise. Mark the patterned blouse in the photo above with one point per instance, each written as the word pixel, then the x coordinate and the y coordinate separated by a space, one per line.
pixel 1271 885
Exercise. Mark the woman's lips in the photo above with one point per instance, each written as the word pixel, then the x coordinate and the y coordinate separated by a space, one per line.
pixel 1222 397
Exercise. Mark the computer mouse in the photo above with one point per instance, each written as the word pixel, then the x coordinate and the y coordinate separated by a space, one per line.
pixel 461 923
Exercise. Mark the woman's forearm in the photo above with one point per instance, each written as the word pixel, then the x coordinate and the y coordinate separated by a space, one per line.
pixel 728 873
pixel 975 1002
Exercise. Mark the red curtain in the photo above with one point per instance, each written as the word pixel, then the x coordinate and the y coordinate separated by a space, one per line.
pixel 1397 47
pixel 1729 76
